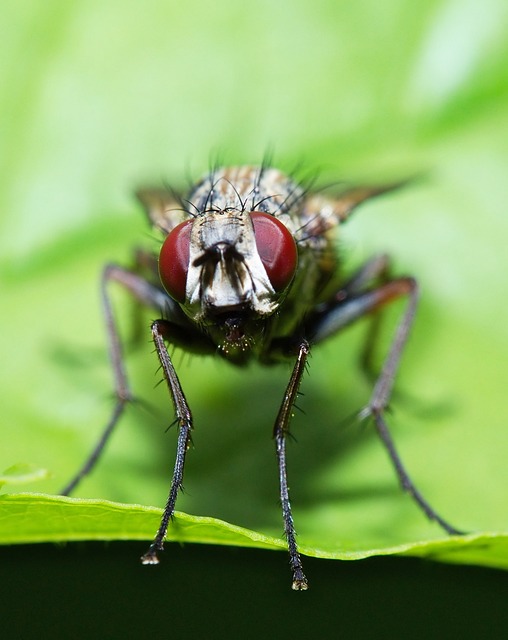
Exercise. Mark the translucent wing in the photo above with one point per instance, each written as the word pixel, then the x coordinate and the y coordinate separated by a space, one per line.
pixel 164 209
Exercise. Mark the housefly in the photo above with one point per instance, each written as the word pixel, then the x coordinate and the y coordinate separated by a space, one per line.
pixel 248 270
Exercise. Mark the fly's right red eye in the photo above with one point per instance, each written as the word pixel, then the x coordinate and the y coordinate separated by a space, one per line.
pixel 276 247
pixel 174 260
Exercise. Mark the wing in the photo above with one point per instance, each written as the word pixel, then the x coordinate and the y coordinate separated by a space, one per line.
pixel 321 212
pixel 345 203
pixel 164 209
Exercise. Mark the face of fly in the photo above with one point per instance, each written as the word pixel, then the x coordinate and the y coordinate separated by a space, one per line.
pixel 231 260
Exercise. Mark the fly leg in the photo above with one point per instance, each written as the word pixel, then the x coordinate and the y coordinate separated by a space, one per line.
pixel 350 305
pixel 280 432
pixel 148 295
pixel 161 330
pixel 375 271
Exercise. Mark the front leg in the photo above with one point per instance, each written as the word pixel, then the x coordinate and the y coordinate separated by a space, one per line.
pixel 280 432
pixel 160 330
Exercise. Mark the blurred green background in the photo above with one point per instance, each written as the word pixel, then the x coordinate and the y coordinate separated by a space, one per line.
pixel 97 98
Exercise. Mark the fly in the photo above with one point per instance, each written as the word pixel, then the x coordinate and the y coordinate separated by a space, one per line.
pixel 248 270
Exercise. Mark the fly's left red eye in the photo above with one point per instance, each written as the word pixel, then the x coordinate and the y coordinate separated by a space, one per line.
pixel 174 260
pixel 277 249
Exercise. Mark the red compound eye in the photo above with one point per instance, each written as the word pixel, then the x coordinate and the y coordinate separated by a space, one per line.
pixel 174 260
pixel 277 249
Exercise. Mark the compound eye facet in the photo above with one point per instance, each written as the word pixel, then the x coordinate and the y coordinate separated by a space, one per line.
pixel 174 260
pixel 276 247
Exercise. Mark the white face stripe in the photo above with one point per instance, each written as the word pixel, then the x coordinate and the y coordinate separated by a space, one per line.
pixel 232 274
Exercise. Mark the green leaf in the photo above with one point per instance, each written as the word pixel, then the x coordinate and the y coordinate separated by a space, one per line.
pixel 33 518
pixel 106 96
